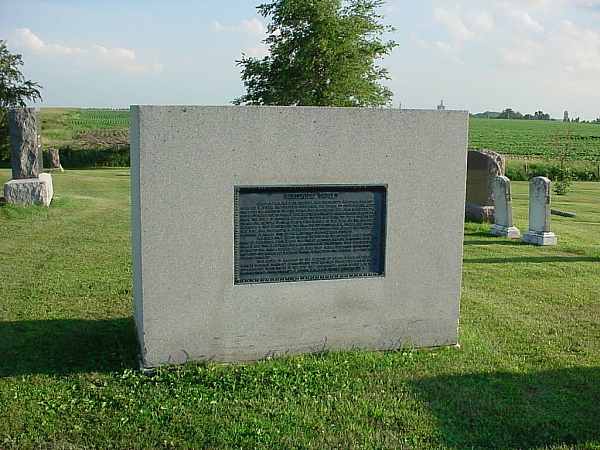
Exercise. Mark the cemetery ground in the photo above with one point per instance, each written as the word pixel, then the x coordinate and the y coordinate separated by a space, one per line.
pixel 527 374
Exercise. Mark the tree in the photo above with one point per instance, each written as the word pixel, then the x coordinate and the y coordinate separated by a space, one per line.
pixel 322 53
pixel 508 113
pixel 15 91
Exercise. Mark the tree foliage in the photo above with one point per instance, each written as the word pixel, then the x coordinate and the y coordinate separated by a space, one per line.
pixel 321 53
pixel 15 91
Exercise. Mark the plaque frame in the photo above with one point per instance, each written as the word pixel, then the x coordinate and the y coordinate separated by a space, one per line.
pixel 380 188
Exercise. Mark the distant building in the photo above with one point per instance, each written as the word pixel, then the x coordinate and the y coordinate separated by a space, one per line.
pixel 566 117
pixel 441 106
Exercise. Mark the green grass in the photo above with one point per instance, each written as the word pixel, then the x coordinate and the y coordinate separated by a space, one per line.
pixel 535 138
pixel 527 374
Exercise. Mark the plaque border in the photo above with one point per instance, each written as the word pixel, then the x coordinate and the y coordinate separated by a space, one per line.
pixel 315 187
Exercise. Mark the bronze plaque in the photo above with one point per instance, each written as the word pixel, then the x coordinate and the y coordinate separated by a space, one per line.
pixel 309 233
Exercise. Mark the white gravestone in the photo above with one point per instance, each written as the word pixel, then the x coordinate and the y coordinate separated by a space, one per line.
pixel 262 231
pixel 503 216
pixel 539 213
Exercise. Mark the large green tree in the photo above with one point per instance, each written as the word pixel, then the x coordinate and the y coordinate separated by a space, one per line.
pixel 321 53
pixel 15 91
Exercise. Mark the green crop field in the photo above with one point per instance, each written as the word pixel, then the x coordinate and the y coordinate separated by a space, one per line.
pixel 95 119
pixel 84 128
pixel 515 138
pixel 536 138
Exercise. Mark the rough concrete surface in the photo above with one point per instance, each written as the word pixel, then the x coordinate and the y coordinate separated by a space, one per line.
pixel 186 163
pixel 30 191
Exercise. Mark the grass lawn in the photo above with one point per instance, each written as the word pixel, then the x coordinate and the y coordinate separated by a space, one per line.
pixel 527 374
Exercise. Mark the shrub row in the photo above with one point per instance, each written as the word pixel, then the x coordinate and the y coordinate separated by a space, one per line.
pixel 71 158
pixel 521 171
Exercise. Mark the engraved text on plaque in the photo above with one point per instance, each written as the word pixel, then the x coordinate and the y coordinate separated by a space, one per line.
pixel 309 233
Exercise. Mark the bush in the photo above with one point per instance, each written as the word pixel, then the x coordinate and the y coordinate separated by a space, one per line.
pixel 87 158
pixel 519 171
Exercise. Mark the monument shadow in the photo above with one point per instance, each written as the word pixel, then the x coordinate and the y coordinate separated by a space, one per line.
pixel 516 411
pixel 532 259
pixel 60 347
pixel 497 241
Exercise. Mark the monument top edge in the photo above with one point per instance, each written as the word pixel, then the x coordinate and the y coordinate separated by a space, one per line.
pixel 323 108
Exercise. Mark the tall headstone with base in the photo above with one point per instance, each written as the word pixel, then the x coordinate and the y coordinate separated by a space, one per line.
pixel 483 166
pixel 539 213
pixel 28 185
pixel 503 217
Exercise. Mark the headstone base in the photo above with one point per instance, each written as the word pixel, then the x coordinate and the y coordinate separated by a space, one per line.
pixel 30 191
pixel 54 169
pixel 478 213
pixel 540 238
pixel 509 232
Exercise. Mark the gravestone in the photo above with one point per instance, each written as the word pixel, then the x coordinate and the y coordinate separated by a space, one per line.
pixel 28 185
pixel 539 213
pixel 483 166
pixel 54 160
pixel 25 154
pixel 263 231
pixel 503 217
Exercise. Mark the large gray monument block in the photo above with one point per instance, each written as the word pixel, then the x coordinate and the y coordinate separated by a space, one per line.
pixel 503 216
pixel 263 231
pixel 539 213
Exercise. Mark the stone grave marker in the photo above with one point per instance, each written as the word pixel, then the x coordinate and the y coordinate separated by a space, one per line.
pixel 539 213
pixel 264 231
pixel 28 185
pixel 503 217
pixel 54 160
pixel 483 166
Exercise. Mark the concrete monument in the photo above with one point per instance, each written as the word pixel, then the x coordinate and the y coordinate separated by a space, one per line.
pixel 262 231
pixel 539 213
pixel 483 166
pixel 28 185
pixel 503 217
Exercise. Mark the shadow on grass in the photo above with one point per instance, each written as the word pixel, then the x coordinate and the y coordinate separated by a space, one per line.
pixel 493 242
pixel 58 347
pixel 478 233
pixel 506 410
pixel 532 259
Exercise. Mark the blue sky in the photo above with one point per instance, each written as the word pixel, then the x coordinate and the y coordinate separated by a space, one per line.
pixel 475 54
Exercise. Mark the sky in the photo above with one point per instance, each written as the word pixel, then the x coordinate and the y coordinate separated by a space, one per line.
pixel 476 55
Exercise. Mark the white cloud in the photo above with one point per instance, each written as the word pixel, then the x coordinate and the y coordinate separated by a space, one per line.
pixel 118 58
pixel 454 24
pixel 124 58
pixel 525 53
pixel 481 21
pixel 524 20
pixel 574 49
pixel 252 26
pixel 27 39
pixel 579 47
